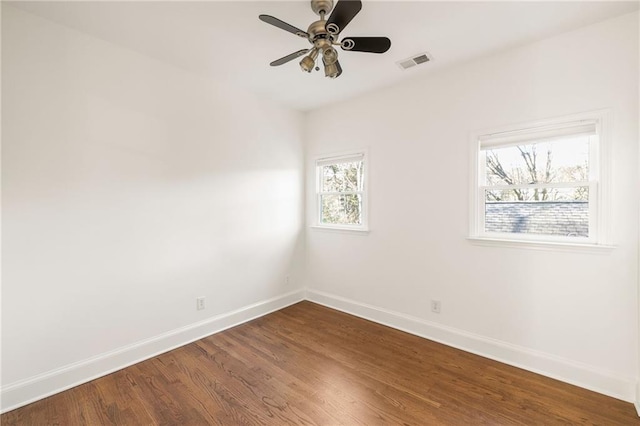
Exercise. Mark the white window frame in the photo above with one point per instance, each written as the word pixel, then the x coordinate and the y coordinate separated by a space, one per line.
pixel 343 157
pixel 599 160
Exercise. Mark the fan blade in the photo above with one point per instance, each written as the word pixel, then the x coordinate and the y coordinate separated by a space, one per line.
pixel 342 14
pixel 283 25
pixel 366 44
pixel 289 57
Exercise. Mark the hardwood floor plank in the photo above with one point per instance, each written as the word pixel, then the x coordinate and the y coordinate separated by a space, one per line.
pixel 276 388
pixel 401 379
pixel 336 378
pixel 310 365
pixel 336 386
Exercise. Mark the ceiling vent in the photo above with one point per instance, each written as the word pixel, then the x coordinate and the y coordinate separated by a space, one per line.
pixel 420 58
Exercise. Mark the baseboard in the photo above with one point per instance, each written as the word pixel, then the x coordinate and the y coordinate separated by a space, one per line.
pixel 545 364
pixel 26 391
pixel 637 402
pixel 35 388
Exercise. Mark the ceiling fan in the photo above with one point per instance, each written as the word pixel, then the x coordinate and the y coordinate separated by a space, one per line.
pixel 323 35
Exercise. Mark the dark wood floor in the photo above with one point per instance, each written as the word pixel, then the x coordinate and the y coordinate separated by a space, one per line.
pixel 307 364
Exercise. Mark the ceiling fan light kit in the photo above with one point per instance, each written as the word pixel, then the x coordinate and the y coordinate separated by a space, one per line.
pixel 324 34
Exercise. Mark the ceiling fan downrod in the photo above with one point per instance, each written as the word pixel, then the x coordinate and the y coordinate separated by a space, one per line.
pixel 321 7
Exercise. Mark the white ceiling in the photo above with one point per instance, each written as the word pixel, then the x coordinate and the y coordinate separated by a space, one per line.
pixel 226 41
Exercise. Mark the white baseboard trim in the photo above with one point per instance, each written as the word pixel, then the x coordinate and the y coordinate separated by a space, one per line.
pixel 545 364
pixel 43 385
pixel 637 402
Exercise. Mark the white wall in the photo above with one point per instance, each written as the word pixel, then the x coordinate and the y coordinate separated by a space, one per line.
pixel 571 315
pixel 129 189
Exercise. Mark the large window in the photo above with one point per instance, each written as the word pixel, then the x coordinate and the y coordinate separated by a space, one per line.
pixel 341 191
pixel 541 182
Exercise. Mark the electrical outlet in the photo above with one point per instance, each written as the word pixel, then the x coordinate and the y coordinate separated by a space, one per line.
pixel 200 303
pixel 435 306
pixel 286 279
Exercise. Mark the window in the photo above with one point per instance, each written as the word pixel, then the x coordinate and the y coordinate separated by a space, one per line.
pixel 541 182
pixel 341 192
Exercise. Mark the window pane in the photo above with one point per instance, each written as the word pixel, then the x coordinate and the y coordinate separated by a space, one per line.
pixel 341 209
pixel 342 177
pixel 561 160
pixel 564 213
pixel 580 193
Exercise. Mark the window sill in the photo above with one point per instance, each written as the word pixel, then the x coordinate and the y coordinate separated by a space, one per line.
pixel 356 231
pixel 542 245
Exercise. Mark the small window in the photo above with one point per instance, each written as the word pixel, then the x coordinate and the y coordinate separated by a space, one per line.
pixel 341 192
pixel 541 182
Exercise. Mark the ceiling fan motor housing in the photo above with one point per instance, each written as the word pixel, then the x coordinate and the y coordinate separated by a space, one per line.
pixel 317 31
